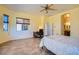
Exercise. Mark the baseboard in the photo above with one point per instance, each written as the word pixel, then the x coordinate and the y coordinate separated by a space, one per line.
pixel 21 38
pixel 2 43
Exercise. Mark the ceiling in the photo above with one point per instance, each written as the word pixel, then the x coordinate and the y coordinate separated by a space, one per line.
pixel 35 8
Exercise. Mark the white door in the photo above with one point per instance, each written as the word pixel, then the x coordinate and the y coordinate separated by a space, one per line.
pixel 48 29
pixel 45 29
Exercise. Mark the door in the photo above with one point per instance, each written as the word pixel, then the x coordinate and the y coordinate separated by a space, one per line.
pixel 48 29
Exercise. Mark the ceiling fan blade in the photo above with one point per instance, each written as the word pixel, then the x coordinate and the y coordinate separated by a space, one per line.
pixel 49 5
pixel 51 9
pixel 42 10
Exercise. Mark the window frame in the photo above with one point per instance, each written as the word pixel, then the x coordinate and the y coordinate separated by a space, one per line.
pixel 23 23
pixel 6 22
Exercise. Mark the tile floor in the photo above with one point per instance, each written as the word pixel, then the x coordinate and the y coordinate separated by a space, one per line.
pixel 22 47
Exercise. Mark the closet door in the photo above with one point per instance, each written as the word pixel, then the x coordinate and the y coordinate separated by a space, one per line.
pixel 48 29
pixel 45 29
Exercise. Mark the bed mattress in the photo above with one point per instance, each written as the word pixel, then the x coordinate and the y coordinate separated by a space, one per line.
pixel 61 45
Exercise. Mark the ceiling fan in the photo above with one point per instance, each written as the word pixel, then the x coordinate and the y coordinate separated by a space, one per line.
pixel 47 8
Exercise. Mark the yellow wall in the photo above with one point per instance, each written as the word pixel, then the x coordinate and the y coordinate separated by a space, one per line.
pixel 12 33
pixel 75 22
pixel 4 36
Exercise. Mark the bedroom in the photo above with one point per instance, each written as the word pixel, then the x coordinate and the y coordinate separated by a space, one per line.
pixel 21 37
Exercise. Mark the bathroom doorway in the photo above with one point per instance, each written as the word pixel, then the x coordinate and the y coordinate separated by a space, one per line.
pixel 65 24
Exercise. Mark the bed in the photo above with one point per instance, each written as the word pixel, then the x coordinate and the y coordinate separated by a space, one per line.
pixel 61 45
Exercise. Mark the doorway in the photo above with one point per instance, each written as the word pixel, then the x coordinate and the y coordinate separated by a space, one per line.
pixel 65 24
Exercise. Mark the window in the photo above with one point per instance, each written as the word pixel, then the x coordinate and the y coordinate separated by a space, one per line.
pixel 22 24
pixel 5 22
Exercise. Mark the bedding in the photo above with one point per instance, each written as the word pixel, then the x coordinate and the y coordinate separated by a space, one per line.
pixel 61 45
